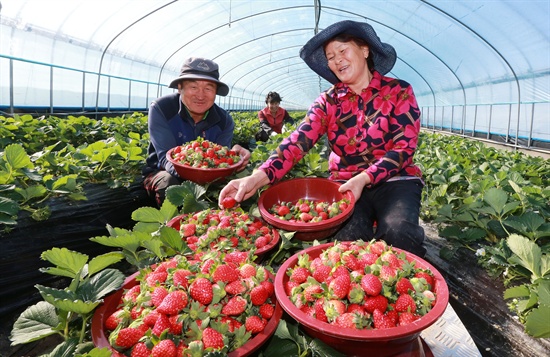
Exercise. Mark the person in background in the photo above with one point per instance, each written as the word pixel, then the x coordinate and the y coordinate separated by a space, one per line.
pixel 372 124
pixel 272 117
pixel 183 116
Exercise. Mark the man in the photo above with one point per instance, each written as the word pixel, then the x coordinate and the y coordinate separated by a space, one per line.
pixel 180 117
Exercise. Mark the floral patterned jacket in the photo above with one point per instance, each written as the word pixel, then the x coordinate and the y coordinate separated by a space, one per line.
pixel 376 131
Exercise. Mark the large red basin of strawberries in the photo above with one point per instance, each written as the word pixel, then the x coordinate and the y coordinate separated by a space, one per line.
pixel 401 340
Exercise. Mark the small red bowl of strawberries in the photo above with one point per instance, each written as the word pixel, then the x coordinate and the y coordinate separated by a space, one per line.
pixel 363 296
pixel 225 230
pixel 311 207
pixel 183 306
pixel 203 161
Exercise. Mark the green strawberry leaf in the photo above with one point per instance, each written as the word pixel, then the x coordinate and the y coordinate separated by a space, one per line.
pixel 102 261
pixel 65 349
pixel 36 322
pixel 16 157
pixel 537 324
pixel 66 300
pixel 543 292
pixel 100 284
pixel 521 291
pixel 96 352
pixel 171 238
pixel 527 254
pixel 130 242
pixel 323 350
pixel 155 246
pixel 68 263
pixel 148 215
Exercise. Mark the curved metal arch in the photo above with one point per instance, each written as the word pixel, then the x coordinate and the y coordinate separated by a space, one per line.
pixel 258 68
pixel 494 49
pixel 282 82
pixel 220 26
pixel 113 40
pixel 278 80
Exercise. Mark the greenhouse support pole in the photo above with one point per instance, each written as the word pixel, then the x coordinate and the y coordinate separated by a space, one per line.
pixel 11 85
pixel 531 125
pixel 83 91
pixel 51 90
pixel 129 94
pixel 475 121
pixel 489 124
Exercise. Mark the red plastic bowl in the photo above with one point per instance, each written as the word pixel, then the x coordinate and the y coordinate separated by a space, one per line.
pixel 100 339
pixel 201 175
pixel 397 341
pixel 311 188
pixel 260 253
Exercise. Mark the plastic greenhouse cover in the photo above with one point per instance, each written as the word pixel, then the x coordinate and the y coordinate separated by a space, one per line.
pixel 467 54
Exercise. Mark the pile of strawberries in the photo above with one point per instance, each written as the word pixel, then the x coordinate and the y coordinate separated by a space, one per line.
pixel 360 285
pixel 189 307
pixel 202 153
pixel 224 230
pixel 305 210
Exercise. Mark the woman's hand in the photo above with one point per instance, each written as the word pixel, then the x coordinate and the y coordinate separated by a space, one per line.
pixel 243 188
pixel 244 154
pixel 356 185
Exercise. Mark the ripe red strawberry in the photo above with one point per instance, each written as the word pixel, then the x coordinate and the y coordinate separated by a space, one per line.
pixel 371 284
pixel 312 292
pixel 173 303
pixel 381 321
pixel 113 320
pixel 283 210
pixel 228 202
pixel 304 208
pixel 235 288
pixel 158 295
pixel 235 306
pixel 404 303
pixel 267 310
pixel 247 271
pixel 140 350
pixel 321 273
pixel 289 285
pixel 387 273
pixel 392 259
pixel 356 294
pixel 378 302
pixel 151 318
pixel 306 217
pixel 162 324
pixel 132 293
pixel 188 229
pixel 254 324
pixel 368 258
pixel 212 339
pixel 339 287
pixel 356 308
pixel 269 287
pixel 225 273
pixel 403 286
pixel 378 247
pixel 156 278
pixel 340 270
pixel 320 310
pixel 180 278
pixel 351 262
pixel 128 336
pixel 406 318
pixel 346 320
pixel 165 348
pixel 201 290
pixel 258 295
pixel 299 275
pixel 429 278
pixel 176 326
pixel 236 257
pixel 261 242
pixel 231 323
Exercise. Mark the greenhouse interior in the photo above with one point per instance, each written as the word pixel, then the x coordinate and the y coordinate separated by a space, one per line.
pixel 110 225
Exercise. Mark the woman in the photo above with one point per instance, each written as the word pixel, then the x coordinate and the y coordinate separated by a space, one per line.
pixel 372 124
pixel 272 117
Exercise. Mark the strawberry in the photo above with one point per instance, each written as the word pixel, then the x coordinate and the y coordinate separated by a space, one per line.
pixel 212 339
pixel 339 287
pixel 269 287
pixel 228 202
pixel 319 310
pixel 356 309
pixel 179 277
pixel 346 320
pixel 351 262
pixel 165 348
pixel 305 217
pixel 266 310
pixel 201 290
pixel 162 324
pixel 289 286
pixel 283 210
pixel 176 326
pixel 158 295
pixel 371 284
pixel 173 303
pixel 156 278
pixel 378 302
pixel 247 271
pixel 261 242
pixel 254 324
pixel 381 321
pixel 113 320
pixel 128 336
pixel 321 273
pixel 368 258
pixel 151 318
pixel 299 275
pixel 392 259
pixel 406 318
pixel 403 286
pixel 312 292
pixel 378 247
pixel 258 295
pixel 188 229
pixel 225 273
pixel 140 350
pixel 235 306
pixel 231 323
pixel 304 208
pixel 404 303
pixel 132 293
pixel 387 273
pixel 429 278
pixel 235 288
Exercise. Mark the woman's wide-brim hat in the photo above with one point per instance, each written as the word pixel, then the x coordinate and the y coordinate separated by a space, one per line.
pixel 196 68
pixel 313 53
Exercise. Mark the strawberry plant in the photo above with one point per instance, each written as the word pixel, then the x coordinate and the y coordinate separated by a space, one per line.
pixel 66 312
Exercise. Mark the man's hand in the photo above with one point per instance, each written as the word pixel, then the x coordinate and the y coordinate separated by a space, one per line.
pixel 244 154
